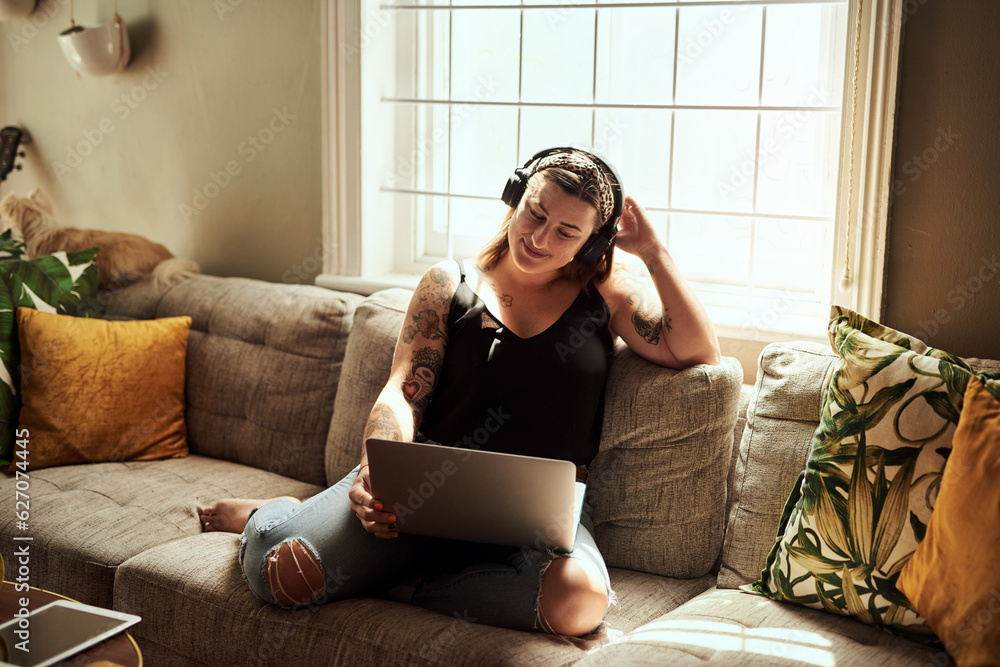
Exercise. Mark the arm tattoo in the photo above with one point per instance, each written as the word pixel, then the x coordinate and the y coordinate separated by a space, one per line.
pixel 419 383
pixel 652 268
pixel 645 319
pixel 439 289
pixel 382 423
pixel 427 323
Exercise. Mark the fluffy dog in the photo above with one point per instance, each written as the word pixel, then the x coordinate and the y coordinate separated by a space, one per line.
pixel 122 258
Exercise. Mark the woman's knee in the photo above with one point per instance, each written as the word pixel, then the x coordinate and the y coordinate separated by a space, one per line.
pixel 294 574
pixel 573 599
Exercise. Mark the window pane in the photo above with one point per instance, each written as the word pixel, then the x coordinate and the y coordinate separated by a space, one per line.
pixel 421 227
pixel 792 255
pixel 475 220
pixel 544 127
pixel 714 160
pixel 803 55
pixel 420 152
pixel 484 55
pixel 718 58
pixel 482 153
pixel 638 137
pixel 711 249
pixel 558 56
pixel 798 163
pixel 635 56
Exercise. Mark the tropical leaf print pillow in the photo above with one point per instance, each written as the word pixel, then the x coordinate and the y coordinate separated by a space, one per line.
pixel 64 283
pixel 862 504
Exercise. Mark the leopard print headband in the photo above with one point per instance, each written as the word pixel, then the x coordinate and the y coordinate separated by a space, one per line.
pixel 584 167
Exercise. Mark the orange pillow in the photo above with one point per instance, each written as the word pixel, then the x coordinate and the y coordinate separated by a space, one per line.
pixel 94 390
pixel 952 578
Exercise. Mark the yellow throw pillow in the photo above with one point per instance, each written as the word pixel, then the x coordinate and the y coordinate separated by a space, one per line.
pixel 952 578
pixel 94 390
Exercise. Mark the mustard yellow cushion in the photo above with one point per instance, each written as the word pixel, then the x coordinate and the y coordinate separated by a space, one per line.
pixel 94 390
pixel 952 578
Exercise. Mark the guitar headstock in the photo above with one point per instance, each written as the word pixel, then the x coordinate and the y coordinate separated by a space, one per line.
pixel 10 138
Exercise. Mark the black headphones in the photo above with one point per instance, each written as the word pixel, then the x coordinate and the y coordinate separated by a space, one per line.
pixel 596 245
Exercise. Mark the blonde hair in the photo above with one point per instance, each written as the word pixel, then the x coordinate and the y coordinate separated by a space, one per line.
pixel 572 184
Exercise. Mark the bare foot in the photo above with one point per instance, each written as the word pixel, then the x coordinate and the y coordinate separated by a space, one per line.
pixel 230 515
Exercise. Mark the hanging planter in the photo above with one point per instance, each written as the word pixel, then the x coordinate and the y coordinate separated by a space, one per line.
pixel 96 51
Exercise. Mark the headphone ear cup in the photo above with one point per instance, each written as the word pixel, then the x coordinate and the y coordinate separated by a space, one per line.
pixel 597 245
pixel 516 185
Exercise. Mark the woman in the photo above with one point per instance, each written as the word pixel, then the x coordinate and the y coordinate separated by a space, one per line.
pixel 526 334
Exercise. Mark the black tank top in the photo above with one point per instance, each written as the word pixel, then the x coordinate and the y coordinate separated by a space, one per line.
pixel 537 396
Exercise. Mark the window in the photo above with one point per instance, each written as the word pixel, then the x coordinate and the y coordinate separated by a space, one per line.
pixel 729 121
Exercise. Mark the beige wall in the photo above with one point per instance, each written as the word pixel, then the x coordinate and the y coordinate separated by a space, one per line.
pixel 127 152
pixel 944 241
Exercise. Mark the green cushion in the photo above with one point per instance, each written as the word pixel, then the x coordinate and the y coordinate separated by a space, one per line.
pixel 861 506
pixel 64 283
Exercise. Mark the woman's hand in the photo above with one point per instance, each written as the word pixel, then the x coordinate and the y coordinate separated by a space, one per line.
pixel 368 510
pixel 635 233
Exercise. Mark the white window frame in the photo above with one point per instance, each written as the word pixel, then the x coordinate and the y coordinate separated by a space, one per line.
pixel 355 253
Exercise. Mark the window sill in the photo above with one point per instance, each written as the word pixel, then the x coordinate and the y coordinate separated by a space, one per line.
pixel 367 286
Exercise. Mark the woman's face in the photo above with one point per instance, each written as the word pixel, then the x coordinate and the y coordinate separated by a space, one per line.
pixel 549 227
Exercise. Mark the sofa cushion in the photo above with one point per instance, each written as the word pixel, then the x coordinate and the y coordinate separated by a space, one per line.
pixel 367 361
pixel 93 390
pixel 727 627
pixel 187 590
pixel 781 419
pixel 952 579
pixel 87 519
pixel 658 483
pixel 862 503
pixel 64 283
pixel 263 364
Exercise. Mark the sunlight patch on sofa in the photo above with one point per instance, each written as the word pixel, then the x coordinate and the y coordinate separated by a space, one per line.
pixel 788 643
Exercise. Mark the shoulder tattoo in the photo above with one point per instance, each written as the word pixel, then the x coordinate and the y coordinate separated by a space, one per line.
pixel 438 288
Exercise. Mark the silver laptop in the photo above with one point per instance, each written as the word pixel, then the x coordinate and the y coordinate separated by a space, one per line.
pixel 469 494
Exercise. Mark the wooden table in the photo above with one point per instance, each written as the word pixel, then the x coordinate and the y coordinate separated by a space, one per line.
pixel 120 649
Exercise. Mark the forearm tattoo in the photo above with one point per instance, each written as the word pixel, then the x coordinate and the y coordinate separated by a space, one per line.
pixel 420 381
pixel 382 423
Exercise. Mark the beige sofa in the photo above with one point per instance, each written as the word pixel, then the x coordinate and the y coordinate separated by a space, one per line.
pixel 280 379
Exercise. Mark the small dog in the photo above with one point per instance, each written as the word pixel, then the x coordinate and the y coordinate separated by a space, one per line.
pixel 122 258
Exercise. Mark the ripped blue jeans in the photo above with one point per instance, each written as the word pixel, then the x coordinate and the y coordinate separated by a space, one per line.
pixel 338 559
